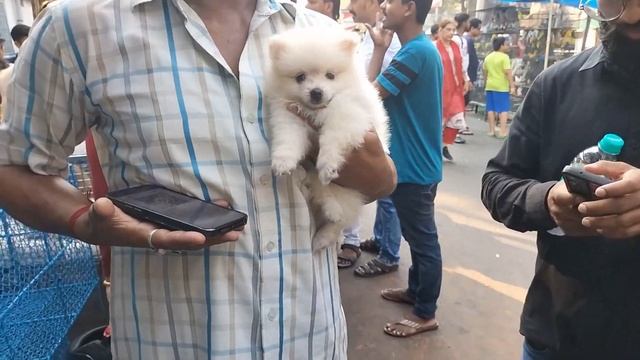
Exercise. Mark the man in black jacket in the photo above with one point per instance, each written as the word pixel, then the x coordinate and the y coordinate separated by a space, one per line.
pixel 584 300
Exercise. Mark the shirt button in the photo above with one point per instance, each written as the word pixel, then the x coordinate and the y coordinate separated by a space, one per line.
pixel 264 180
pixel 272 315
pixel 251 119
pixel 270 246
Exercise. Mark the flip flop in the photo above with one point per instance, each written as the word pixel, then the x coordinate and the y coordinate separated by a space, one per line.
pixel 413 327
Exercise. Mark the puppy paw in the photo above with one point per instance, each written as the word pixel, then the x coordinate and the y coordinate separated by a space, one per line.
pixel 283 166
pixel 326 174
pixel 326 236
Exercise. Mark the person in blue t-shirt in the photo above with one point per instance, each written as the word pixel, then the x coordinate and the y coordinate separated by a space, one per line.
pixel 412 91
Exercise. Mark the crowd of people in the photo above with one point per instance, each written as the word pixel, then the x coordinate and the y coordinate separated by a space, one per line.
pixel 166 103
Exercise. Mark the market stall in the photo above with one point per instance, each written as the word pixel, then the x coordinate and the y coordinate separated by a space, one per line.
pixel 539 33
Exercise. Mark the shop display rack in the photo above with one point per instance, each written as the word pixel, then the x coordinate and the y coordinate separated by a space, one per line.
pixel 45 280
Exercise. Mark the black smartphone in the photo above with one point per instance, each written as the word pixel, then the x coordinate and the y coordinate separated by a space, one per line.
pixel 583 183
pixel 175 211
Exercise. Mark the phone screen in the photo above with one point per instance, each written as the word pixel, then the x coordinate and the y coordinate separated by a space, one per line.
pixel 183 208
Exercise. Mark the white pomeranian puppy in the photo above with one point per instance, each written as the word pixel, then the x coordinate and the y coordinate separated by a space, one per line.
pixel 317 70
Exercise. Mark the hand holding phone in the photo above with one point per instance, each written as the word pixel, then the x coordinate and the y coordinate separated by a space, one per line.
pixel 106 224
pixel 616 213
pixel 582 182
pixel 562 206
pixel 176 211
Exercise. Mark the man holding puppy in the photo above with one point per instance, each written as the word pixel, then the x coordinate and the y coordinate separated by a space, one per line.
pixel 172 92
pixel 412 90
pixel 584 300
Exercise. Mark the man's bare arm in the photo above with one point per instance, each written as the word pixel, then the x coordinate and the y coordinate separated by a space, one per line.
pixel 375 65
pixel 42 202
pixel 47 203
pixel 381 90
pixel 512 84
pixel 369 170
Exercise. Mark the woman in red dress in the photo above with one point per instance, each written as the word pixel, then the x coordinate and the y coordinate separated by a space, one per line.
pixel 454 86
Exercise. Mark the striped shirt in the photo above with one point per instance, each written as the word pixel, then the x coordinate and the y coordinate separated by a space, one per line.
pixel 148 80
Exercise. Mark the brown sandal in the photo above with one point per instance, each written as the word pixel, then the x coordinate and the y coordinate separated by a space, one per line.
pixel 374 267
pixel 397 295
pixel 413 327
pixel 370 246
pixel 346 261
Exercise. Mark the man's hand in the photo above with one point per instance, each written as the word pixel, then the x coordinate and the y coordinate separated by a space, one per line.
pixel 617 214
pixel 513 90
pixel 369 170
pixel 563 209
pixel 381 37
pixel 106 224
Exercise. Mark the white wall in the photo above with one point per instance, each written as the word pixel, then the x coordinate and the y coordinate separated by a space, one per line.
pixel 17 12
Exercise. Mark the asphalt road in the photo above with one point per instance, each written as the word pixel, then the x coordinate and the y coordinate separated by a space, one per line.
pixel 487 269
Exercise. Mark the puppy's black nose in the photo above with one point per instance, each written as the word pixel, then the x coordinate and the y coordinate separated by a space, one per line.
pixel 315 95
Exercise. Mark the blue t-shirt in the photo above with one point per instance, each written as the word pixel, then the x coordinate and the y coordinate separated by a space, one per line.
pixel 414 80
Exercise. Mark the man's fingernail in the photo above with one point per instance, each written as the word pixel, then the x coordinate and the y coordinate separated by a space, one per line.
pixel 582 208
pixel 586 222
pixel 600 192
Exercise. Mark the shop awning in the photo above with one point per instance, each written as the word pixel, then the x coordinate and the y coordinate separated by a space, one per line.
pixel 573 3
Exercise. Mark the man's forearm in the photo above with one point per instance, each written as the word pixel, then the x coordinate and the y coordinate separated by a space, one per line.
pixel 510 77
pixel 369 170
pixel 375 178
pixel 42 202
pixel 375 65
pixel 518 203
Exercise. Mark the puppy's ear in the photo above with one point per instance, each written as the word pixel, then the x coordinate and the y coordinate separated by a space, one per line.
pixel 277 46
pixel 349 43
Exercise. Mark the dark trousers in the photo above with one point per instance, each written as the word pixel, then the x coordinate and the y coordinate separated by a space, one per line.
pixel 415 208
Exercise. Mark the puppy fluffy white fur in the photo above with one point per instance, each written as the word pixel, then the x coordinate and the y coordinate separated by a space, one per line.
pixel 317 69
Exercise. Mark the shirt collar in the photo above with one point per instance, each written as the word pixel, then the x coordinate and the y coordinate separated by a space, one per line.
pixel 263 7
pixel 135 3
pixel 597 56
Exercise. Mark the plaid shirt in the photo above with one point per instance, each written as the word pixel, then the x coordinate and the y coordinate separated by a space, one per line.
pixel 164 107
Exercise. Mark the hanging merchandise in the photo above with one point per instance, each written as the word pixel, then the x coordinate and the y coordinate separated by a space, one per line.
pixel 535 42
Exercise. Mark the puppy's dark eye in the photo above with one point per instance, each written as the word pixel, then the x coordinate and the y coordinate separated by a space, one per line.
pixel 300 78
pixel 330 76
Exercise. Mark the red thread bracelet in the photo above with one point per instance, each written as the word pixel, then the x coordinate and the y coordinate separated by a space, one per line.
pixel 76 215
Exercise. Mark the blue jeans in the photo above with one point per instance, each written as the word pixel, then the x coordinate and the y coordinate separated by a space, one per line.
pixel 415 206
pixel 386 232
pixel 529 353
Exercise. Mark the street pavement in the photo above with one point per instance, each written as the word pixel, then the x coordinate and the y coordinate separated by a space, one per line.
pixel 487 269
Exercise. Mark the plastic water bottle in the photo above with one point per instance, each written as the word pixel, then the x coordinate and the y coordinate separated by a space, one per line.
pixel 608 148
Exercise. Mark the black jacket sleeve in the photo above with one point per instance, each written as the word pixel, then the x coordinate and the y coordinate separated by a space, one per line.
pixel 509 189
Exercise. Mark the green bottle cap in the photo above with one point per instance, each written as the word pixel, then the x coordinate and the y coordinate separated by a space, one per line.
pixel 611 144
